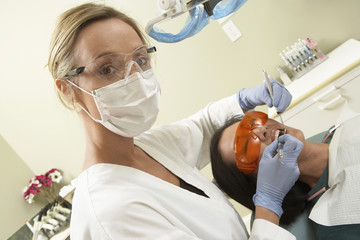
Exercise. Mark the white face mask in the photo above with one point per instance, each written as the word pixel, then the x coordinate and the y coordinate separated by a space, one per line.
pixel 130 106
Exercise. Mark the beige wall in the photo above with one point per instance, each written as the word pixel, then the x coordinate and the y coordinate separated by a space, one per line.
pixel 193 72
pixel 14 176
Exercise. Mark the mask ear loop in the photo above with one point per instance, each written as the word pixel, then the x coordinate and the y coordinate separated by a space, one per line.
pixel 87 92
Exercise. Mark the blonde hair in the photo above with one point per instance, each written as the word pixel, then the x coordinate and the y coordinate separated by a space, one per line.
pixel 68 27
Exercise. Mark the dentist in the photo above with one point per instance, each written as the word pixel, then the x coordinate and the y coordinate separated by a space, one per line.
pixel 140 182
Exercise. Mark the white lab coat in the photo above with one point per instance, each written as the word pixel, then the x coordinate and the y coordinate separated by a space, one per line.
pixel 119 202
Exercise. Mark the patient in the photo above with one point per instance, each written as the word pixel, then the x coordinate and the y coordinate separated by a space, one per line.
pixel 313 165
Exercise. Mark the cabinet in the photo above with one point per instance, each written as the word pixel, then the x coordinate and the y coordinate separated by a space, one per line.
pixel 319 95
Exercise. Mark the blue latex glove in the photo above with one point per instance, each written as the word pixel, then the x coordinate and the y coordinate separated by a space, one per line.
pixel 249 98
pixel 275 179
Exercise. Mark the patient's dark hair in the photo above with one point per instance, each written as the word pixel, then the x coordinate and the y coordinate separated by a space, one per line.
pixel 241 187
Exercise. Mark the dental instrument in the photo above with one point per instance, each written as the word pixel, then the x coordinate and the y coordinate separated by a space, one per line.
pixel 298 51
pixel 299 59
pixel 312 52
pixel 302 56
pixel 50 220
pixel 288 63
pixel 280 150
pixel 29 226
pixel 302 52
pixel 59 208
pixel 56 215
pixel 291 58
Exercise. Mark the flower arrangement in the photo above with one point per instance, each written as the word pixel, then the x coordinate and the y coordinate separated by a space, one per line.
pixel 43 186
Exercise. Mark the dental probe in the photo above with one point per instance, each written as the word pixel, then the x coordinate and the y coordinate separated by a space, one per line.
pixel 271 94
pixel 280 150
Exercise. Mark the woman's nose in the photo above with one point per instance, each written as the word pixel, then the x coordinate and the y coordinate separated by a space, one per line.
pixel 260 132
pixel 132 68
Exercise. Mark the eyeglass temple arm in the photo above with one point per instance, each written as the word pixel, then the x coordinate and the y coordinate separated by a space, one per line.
pixel 75 72
pixel 151 49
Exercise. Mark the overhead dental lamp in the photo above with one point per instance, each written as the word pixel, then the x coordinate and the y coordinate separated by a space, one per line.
pixel 200 12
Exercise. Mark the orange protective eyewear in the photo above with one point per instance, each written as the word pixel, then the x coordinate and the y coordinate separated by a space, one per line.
pixel 247 144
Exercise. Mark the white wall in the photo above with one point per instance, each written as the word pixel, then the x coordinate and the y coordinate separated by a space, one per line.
pixel 193 72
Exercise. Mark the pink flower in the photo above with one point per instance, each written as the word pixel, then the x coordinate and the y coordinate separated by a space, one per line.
pixel 47 182
pixel 40 178
pixel 34 189
pixel 31 181
pixel 50 171
pixel 26 193
pixel 44 180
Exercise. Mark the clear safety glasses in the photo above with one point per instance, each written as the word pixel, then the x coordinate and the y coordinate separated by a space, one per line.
pixel 114 66
pixel 247 144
